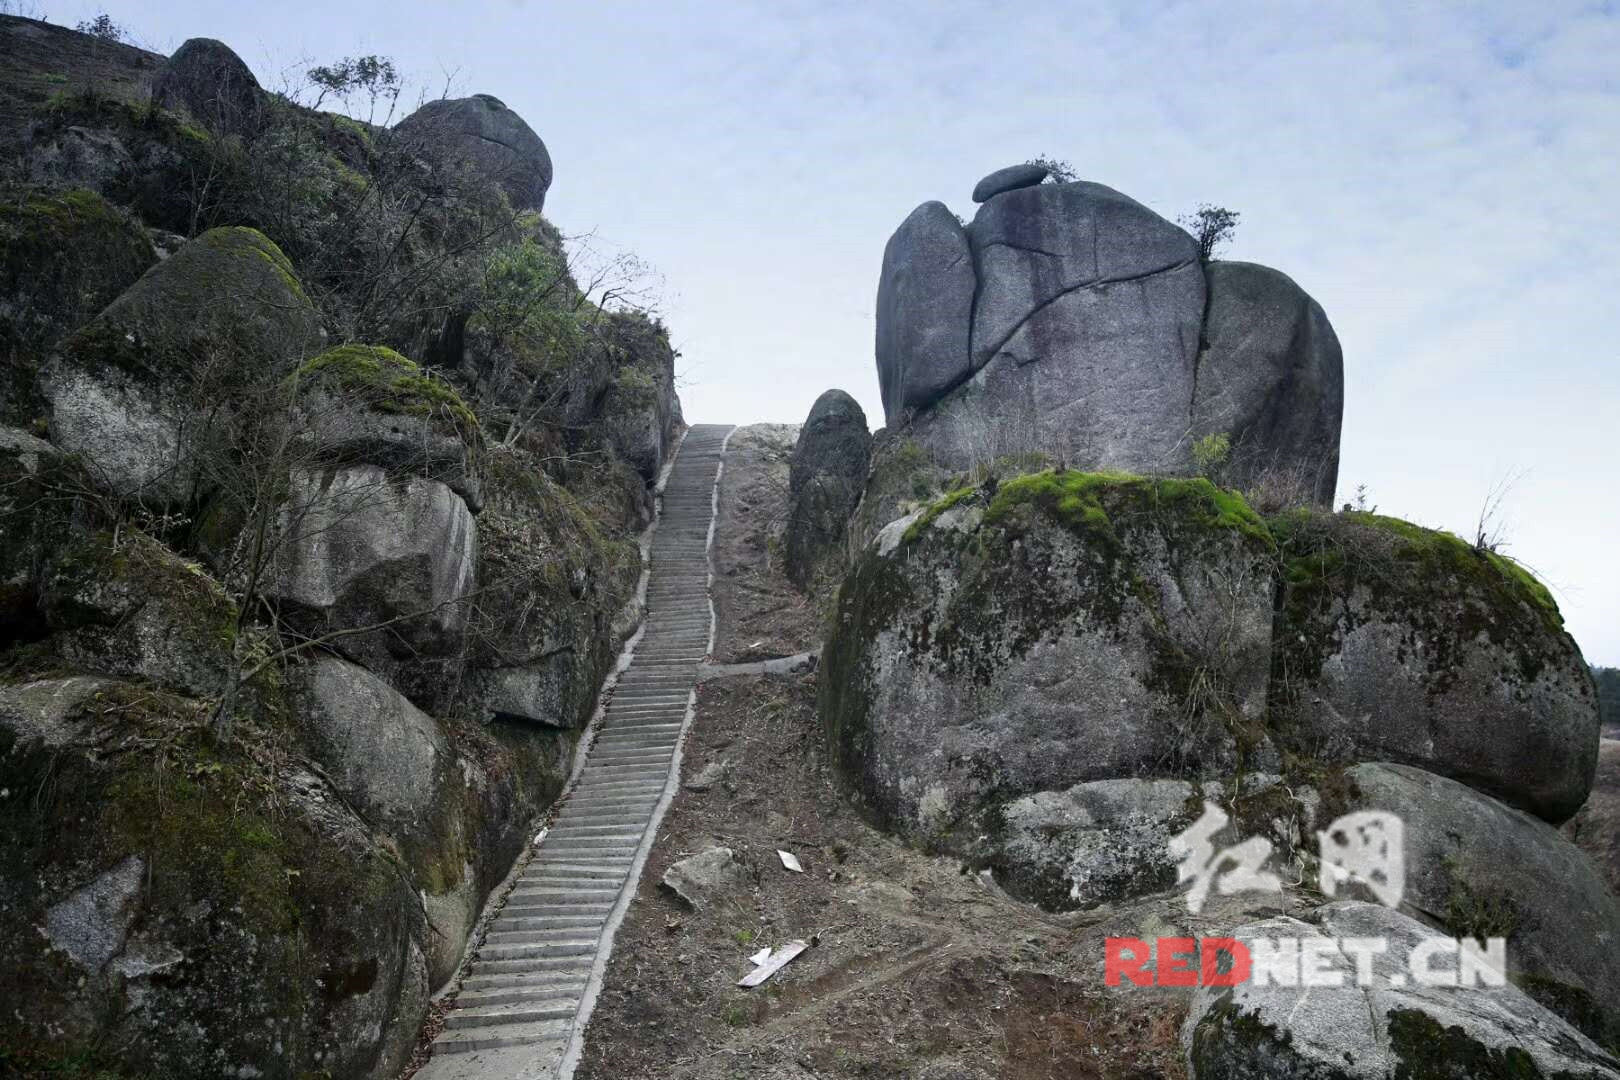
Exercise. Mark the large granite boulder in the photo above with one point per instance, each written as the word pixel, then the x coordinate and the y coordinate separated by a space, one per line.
pixel 1085 334
pixel 482 135
pixel 825 479
pixel 1403 644
pixel 207 80
pixel 216 321
pixel 63 257
pixel 1069 627
pixel 1596 829
pixel 1270 379
pixel 1392 1029
pixel 924 311
pixel 363 548
pixel 1483 869
pixel 366 404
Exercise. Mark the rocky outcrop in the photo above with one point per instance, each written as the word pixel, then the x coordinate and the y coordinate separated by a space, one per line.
pixel 214 321
pixel 1067 628
pixel 1388 1029
pixel 1397 643
pixel 1097 339
pixel 1482 869
pixel 366 549
pixel 825 480
pixel 1271 381
pixel 925 311
pixel 637 407
pixel 491 142
pixel 211 84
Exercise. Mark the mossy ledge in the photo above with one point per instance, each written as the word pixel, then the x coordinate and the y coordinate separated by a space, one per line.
pixel 390 383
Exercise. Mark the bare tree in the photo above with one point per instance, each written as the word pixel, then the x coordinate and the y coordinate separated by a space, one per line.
pixel 1211 226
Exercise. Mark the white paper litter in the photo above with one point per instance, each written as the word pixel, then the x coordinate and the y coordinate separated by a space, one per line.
pixel 761 956
pixel 791 861
pixel 778 960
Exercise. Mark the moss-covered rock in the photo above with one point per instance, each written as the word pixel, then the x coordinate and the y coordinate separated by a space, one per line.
pixel 63 257
pixel 1398 643
pixel 267 930
pixel 1061 628
pixel 367 404
pixel 1391 1028
pixel 218 322
pixel 639 412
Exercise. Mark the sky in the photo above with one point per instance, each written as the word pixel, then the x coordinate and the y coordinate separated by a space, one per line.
pixel 1442 178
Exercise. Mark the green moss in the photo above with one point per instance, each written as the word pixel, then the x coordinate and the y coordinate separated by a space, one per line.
pixel 390 383
pixel 1478 910
pixel 1577 1006
pixel 1087 502
pixel 1426 1050
pixel 936 508
pixel 242 241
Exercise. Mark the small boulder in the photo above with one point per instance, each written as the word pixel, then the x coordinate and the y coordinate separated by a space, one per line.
pixel 43 709
pixel 92 924
pixel 1392 1028
pixel 383 753
pixel 363 548
pixel 1271 380
pixel 1480 869
pixel 1010 178
pixel 825 479
pixel 1404 644
pixel 1064 628
pixel 482 135
pixel 207 80
pixel 924 311
pixel 221 317
pixel 710 876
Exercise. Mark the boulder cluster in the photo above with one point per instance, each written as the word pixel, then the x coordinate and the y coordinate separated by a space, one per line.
pixel 1064 629
pixel 304 598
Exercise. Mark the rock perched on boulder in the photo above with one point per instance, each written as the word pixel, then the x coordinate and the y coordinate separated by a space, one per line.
pixel 481 134
pixel 824 482
pixel 1398 643
pixel 1260 1030
pixel 1270 379
pixel 1596 829
pixel 1483 869
pixel 925 310
pixel 365 404
pixel 207 80
pixel 365 548
pixel 1069 627
pixel 1010 178
pixel 219 317
pixel 709 876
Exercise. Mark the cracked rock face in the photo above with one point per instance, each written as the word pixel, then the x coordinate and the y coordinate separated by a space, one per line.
pixel 924 310
pixel 481 134
pixel 1350 1032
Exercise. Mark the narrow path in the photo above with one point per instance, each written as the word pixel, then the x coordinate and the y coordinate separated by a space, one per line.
pixel 530 985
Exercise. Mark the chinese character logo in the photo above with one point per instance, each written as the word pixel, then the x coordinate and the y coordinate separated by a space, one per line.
pixel 1365 847
pixel 1231 870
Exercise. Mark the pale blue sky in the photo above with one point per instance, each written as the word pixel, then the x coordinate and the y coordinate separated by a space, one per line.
pixel 1441 177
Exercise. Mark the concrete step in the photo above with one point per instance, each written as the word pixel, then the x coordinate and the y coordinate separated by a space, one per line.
pixel 549 950
pixel 578 965
pixel 558 936
pixel 610 871
pixel 530 1034
pixel 519 995
pixel 517 909
pixel 504 924
pixel 551 896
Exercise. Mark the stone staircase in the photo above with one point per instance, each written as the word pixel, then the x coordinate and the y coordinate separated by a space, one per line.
pixel 529 984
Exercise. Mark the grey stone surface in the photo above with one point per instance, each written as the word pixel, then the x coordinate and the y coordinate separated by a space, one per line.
pixel 1396 643
pixel 79 157
pixel 221 315
pixel 710 876
pixel 384 754
pixel 1085 334
pixel 1009 179
pixel 924 310
pixel 92 924
pixel 1596 829
pixel 41 709
pixel 1270 378
pixel 1382 1031
pixel 1473 864
pixel 210 82
pixel 483 135
pixel 825 478
pixel 978 661
pixel 366 548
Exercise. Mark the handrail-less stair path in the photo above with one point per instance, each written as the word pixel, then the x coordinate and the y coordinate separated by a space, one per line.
pixel 528 987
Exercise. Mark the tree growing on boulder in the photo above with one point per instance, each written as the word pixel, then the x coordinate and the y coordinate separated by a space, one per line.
pixel 103 27
pixel 1211 226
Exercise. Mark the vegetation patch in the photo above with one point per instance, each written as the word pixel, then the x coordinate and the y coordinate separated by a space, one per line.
pixel 389 383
